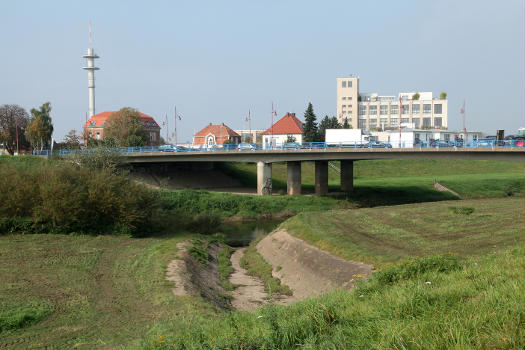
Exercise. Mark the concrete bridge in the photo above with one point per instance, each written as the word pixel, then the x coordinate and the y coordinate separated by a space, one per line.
pixel 265 158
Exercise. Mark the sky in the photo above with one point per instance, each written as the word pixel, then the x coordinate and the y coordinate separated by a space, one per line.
pixel 215 60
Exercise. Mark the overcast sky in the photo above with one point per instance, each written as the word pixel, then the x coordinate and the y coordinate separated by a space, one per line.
pixel 215 60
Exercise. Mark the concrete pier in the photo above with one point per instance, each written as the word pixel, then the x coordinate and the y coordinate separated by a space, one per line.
pixel 321 177
pixel 264 179
pixel 294 177
pixel 347 175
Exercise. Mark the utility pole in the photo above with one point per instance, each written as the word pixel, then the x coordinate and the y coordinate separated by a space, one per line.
pixel 16 132
pixel 175 134
pixel 463 112
pixel 399 121
pixel 271 127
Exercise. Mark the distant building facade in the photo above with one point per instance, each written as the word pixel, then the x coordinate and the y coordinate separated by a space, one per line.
pixel 288 127
pixel 250 136
pixel 213 135
pixel 372 111
pixel 94 127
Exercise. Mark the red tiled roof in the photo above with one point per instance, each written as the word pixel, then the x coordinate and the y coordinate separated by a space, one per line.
pixel 288 124
pixel 217 130
pixel 100 118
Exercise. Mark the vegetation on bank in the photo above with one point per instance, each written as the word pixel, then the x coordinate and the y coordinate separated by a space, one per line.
pixel 255 265
pixel 387 234
pixel 434 302
pixel 64 197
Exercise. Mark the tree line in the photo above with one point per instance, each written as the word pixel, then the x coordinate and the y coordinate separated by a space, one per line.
pixel 314 132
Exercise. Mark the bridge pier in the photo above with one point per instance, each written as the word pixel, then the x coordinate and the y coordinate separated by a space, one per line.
pixel 294 177
pixel 347 175
pixel 264 179
pixel 321 177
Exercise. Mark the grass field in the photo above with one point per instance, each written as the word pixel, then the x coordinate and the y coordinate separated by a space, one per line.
pixel 94 292
pixel 404 181
pixel 386 234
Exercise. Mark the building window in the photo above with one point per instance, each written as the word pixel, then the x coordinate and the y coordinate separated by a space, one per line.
pixel 350 84
pixel 344 97
pixel 344 83
pixel 394 109
pixel 416 109
pixel 92 123
pixel 98 135
pixel 426 108
pixel 404 120
pixel 362 109
pixel 438 108
pixel 373 122
pixel 349 98
pixel 417 122
pixel 344 112
pixel 383 110
pixel 438 121
pixel 361 123
pixel 383 121
pixel 447 137
pixel 404 110
pixel 372 110
pixel 427 122
pixel 394 121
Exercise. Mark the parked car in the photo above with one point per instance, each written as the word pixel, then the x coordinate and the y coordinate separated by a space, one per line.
pixel 378 144
pixel 246 147
pixel 440 143
pixel 291 145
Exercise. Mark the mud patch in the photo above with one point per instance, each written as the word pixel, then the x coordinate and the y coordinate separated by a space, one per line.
pixel 307 270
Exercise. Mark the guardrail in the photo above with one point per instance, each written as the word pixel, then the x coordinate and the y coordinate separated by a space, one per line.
pixel 491 144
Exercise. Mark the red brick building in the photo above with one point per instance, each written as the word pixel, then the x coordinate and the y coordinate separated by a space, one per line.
pixel 215 135
pixel 94 127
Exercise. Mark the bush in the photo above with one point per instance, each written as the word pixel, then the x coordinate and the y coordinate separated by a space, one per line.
pixel 60 197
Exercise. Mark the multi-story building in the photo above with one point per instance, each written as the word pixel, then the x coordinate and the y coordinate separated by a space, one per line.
pixel 372 111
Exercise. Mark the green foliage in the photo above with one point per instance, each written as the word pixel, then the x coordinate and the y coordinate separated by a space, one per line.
pixel 20 316
pixel 61 197
pixel 100 159
pixel 310 131
pixel 346 125
pixel 443 95
pixel 461 210
pixel 255 265
pixel 13 123
pixel 290 139
pixel 72 140
pixel 225 267
pixel 125 129
pixel 40 128
pixel 229 142
pixel 205 223
pixel 416 96
pixel 200 253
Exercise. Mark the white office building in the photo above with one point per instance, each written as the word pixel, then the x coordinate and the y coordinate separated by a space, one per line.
pixel 371 111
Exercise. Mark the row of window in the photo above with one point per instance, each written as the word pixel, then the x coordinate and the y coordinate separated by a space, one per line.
pixel 373 122
pixel 347 98
pixel 345 83
pixel 394 109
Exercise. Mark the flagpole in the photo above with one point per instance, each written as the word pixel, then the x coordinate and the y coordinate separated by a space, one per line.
pixel 175 137
pixel 464 124
pixel 250 126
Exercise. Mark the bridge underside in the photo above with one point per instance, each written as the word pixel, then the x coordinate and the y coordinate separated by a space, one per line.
pixel 264 160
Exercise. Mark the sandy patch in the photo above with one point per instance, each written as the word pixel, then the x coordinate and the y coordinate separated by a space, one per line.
pixel 178 273
pixel 307 270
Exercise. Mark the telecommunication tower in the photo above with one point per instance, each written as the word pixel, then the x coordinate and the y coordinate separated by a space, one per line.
pixel 91 56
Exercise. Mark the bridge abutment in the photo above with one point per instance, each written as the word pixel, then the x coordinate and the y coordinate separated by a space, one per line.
pixel 294 177
pixel 264 179
pixel 321 177
pixel 347 175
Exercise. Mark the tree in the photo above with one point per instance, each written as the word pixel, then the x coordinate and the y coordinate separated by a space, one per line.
pixel 125 129
pixel 13 120
pixel 416 96
pixel 327 123
pixel 443 95
pixel 346 125
pixel 72 140
pixel 40 127
pixel 290 139
pixel 310 131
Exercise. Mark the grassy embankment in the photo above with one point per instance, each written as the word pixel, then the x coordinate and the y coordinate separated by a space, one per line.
pixel 88 292
pixel 387 234
pixel 384 182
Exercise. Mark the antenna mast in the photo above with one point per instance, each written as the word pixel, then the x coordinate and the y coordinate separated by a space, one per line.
pixel 91 56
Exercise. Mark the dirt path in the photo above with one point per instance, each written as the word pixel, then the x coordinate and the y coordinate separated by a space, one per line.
pixel 249 294
pixel 307 270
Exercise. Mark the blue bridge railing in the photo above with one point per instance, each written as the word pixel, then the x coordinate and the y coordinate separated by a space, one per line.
pixel 485 143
